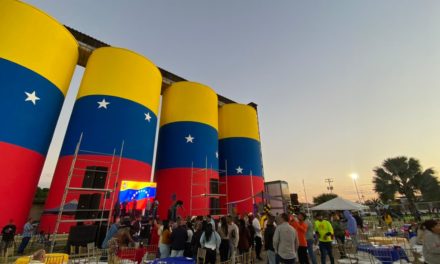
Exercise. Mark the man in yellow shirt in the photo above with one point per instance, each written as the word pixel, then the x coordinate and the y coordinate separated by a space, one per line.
pixel 324 231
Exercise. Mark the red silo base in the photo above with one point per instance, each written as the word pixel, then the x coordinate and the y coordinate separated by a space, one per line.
pixel 20 169
pixel 240 193
pixel 176 183
pixel 129 170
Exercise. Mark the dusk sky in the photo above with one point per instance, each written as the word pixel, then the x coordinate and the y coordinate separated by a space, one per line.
pixel 340 85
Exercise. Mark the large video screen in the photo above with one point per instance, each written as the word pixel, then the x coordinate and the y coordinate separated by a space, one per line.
pixel 137 192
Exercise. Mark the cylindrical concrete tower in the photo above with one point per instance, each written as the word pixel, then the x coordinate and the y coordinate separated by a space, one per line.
pixel 118 102
pixel 187 157
pixel 37 59
pixel 240 156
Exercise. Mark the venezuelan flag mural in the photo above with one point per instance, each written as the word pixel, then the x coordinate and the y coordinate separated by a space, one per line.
pixel 137 194
pixel 117 102
pixel 37 59
pixel 240 156
pixel 187 154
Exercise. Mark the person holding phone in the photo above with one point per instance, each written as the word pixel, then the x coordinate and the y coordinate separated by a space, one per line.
pixel 324 231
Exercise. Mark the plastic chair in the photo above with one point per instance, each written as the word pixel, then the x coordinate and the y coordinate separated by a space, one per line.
pixel 384 255
pixel 56 258
pixel 151 252
pixel 127 253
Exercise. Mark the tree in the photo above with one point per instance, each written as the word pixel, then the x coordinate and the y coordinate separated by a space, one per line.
pixel 41 195
pixel 404 176
pixel 322 198
pixel 429 188
pixel 372 202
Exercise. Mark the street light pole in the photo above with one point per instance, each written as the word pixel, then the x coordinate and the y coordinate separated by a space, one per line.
pixel 354 176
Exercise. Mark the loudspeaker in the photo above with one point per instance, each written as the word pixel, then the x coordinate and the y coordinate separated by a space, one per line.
pixel 95 200
pixel 83 204
pixel 100 177
pixel 100 235
pixel 89 177
pixel 215 206
pixel 103 214
pixel 94 177
pixel 294 199
pixel 81 235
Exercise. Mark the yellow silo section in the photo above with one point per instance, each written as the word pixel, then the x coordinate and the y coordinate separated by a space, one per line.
pixel 122 73
pixel 238 120
pixel 33 39
pixel 189 101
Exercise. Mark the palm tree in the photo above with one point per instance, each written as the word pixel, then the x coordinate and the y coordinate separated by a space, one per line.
pixel 373 203
pixel 429 186
pixel 404 176
pixel 324 197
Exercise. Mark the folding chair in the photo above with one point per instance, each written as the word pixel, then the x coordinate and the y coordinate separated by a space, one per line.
pixel 239 259
pixel 383 255
pixel 353 256
pixel 201 255
pixel 247 257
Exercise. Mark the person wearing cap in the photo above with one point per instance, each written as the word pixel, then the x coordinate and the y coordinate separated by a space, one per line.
pixel 324 231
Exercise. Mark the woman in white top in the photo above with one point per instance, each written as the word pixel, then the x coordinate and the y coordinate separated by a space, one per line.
pixel 210 241
pixel 431 243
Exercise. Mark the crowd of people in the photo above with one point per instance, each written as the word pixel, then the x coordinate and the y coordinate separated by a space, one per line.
pixel 8 236
pixel 286 238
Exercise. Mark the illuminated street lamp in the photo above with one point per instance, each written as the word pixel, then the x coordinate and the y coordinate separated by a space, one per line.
pixel 355 176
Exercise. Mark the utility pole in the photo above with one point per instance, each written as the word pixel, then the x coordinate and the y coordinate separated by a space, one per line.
pixel 305 196
pixel 330 186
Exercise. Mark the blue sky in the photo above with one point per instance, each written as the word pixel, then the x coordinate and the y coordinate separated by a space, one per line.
pixel 341 85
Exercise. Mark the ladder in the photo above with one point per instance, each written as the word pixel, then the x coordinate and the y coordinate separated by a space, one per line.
pixel 205 183
pixel 107 190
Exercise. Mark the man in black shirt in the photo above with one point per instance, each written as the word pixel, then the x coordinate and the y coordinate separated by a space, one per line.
pixel 359 221
pixel 178 237
pixel 8 234
pixel 269 232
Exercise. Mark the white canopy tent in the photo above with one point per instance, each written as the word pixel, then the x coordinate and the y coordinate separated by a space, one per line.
pixel 339 203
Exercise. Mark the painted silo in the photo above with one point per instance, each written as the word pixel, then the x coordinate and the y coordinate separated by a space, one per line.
pixel 118 101
pixel 37 60
pixel 240 156
pixel 187 157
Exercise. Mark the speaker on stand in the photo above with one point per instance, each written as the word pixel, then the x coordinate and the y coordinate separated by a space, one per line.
pixel 83 206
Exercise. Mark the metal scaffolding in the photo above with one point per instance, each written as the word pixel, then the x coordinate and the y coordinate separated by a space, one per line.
pixel 107 190
pixel 204 181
